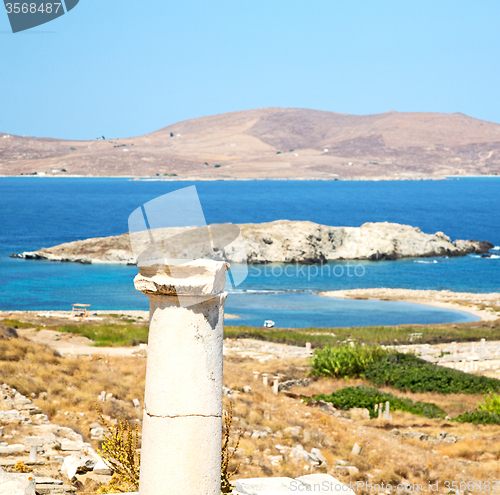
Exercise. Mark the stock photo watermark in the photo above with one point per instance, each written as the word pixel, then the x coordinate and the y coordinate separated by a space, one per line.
pixel 27 15
pixel 355 486
pixel 309 272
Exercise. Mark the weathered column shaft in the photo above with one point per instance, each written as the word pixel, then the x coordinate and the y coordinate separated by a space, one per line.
pixel 181 440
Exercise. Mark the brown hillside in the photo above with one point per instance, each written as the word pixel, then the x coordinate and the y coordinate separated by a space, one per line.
pixel 276 143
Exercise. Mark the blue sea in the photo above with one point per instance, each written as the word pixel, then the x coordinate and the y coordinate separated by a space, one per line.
pixel 42 212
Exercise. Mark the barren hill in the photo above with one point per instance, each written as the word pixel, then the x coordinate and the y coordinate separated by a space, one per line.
pixel 275 143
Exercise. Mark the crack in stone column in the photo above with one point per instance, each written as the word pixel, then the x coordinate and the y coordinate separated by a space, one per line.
pixel 165 416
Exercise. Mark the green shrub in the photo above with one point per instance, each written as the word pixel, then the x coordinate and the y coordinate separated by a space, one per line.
pixel 110 334
pixel 345 360
pixel 408 372
pixel 491 404
pixel 380 335
pixel 479 418
pixel 368 397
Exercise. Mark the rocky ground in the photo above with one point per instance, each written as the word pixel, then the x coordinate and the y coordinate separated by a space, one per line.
pixel 281 435
pixel 57 457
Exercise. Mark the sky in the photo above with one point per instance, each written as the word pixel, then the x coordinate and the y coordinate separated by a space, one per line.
pixel 123 68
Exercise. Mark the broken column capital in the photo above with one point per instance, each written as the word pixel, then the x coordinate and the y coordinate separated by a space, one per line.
pixel 198 278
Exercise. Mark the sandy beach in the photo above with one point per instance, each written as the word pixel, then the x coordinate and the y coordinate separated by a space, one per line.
pixel 484 306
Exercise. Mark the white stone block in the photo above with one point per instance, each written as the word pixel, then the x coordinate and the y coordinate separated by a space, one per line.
pixel 68 445
pixel 102 468
pixel 97 433
pixel 317 453
pixel 324 483
pixel 38 441
pixel 293 431
pixel 77 464
pixel 15 448
pixel 184 367
pixel 265 486
pixel 356 449
pixel 17 484
pixel 43 480
pixel 194 471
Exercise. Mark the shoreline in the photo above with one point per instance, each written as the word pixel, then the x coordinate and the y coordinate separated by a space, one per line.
pixel 445 299
pixel 61 313
pixel 145 178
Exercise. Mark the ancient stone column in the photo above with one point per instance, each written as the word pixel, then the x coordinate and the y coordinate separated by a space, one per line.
pixel 264 379
pixel 276 384
pixel 181 439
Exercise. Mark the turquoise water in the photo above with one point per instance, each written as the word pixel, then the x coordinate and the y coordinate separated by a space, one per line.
pixel 298 310
pixel 38 212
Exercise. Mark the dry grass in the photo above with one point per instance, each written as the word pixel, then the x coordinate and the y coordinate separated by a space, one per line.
pixel 384 458
pixel 73 384
pixel 69 386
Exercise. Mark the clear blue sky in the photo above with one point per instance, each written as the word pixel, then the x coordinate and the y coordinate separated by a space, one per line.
pixel 123 68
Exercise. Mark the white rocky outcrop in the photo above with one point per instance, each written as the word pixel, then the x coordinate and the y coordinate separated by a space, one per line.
pixel 285 241
pixel 307 242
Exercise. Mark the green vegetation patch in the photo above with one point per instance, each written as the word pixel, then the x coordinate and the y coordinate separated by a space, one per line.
pixel 345 361
pixel 110 334
pixel 368 397
pixel 401 371
pixel 19 324
pixel 408 372
pixel 382 335
pixel 491 404
pixel 478 418
pixel 292 336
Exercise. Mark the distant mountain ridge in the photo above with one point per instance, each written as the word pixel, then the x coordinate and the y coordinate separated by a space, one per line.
pixel 275 143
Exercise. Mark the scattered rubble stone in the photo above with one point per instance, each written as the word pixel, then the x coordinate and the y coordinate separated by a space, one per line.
pixel 286 385
pixel 56 443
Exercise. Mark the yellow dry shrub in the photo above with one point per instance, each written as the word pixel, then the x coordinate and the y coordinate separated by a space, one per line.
pixel 120 453
pixel 226 454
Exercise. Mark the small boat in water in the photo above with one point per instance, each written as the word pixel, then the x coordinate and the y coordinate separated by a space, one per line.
pixel 269 323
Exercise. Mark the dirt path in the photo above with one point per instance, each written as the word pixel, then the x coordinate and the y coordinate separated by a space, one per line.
pixel 69 344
